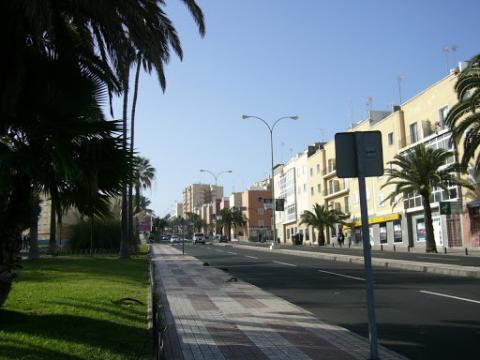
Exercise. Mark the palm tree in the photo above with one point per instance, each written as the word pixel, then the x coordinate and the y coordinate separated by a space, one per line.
pixel 194 220
pixel 94 34
pixel 33 250
pixel 60 139
pixel 322 218
pixel 420 170
pixel 238 220
pixel 143 175
pixel 464 118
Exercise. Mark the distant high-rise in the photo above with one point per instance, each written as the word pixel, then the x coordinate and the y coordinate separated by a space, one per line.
pixel 195 195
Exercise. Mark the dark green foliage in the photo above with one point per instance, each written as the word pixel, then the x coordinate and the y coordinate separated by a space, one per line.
pixel 464 118
pixel 419 171
pixel 322 218
pixel 106 236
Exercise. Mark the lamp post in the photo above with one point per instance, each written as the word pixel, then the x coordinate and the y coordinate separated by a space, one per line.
pixel 217 175
pixel 270 129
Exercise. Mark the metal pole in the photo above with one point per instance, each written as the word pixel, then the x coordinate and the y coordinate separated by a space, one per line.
pixel 183 241
pixel 274 229
pixel 372 325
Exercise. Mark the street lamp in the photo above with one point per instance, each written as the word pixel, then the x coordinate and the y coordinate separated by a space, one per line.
pixel 216 176
pixel 270 128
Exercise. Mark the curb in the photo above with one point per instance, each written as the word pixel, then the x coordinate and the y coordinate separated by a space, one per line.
pixel 434 268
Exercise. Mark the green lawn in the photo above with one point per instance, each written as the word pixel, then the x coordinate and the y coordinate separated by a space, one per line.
pixel 61 308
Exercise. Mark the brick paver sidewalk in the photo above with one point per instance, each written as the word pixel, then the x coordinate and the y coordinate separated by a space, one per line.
pixel 209 315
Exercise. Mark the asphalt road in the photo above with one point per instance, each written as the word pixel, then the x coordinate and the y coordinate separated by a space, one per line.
pixel 463 260
pixel 420 315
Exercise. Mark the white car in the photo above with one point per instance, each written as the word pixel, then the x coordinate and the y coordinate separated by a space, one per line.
pixel 198 238
pixel 174 239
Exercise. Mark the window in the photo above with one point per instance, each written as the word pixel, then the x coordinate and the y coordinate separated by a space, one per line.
pixel 383 233
pixel 397 231
pixel 318 168
pixel 413 133
pixel 421 234
pixel 390 138
pixel 261 211
pixel 333 231
pixel 331 165
pixel 318 188
pixel 307 233
pixel 304 187
pixel 381 199
pixel 331 186
pixel 347 204
pixel 442 115
pixel 311 172
pixel 312 192
pixel 288 233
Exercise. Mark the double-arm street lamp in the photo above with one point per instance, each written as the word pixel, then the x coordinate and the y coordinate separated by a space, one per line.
pixel 217 175
pixel 270 129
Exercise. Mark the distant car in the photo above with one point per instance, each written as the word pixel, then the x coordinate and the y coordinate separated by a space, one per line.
pixel 174 239
pixel 223 238
pixel 198 238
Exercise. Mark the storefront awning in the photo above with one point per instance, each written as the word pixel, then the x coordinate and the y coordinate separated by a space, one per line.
pixel 377 219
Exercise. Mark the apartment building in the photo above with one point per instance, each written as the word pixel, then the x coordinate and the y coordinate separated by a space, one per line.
pixel 195 195
pixel 257 213
pixel 309 178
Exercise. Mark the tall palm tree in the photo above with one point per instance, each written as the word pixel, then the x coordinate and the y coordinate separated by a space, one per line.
pixel 322 218
pixel 464 118
pixel 59 126
pixel 420 170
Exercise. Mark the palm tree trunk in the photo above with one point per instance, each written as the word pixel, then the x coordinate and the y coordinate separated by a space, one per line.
pixel 12 213
pixel 33 251
pixel 430 237
pixel 52 244
pixel 132 137
pixel 321 237
pixel 124 246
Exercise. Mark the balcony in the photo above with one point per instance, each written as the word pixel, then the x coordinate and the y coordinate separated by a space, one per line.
pixel 337 189
pixel 329 172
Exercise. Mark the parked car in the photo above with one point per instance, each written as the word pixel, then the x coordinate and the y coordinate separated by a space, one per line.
pixel 198 238
pixel 223 238
pixel 174 239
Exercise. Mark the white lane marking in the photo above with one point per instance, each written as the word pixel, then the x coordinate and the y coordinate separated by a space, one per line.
pixel 435 258
pixel 231 252
pixel 251 257
pixel 284 263
pixel 342 275
pixel 449 296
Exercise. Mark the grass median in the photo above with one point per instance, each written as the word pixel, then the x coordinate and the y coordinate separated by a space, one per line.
pixel 67 307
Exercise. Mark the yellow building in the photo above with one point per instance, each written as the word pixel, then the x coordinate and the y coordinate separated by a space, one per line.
pixel 398 221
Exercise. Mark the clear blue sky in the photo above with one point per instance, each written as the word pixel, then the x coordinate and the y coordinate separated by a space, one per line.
pixel 317 59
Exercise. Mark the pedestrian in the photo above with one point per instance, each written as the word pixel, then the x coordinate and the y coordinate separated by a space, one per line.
pixel 340 238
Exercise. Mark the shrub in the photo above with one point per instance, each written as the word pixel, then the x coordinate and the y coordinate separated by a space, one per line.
pixel 106 235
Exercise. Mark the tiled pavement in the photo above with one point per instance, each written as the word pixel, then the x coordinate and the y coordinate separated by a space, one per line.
pixel 210 317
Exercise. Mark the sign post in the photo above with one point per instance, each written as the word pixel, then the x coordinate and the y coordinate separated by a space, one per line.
pixel 359 154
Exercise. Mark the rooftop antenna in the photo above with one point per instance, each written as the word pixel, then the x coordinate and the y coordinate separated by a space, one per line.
pixel 369 105
pixel 447 50
pixel 399 80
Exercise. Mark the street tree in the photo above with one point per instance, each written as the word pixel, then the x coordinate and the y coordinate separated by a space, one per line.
pixel 419 171
pixel 322 218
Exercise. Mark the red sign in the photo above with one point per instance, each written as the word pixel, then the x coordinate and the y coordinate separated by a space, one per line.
pixel 145 224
